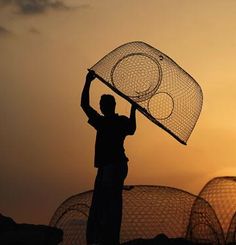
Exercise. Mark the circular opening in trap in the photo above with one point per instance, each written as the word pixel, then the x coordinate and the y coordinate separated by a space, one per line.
pixel 137 76
pixel 161 106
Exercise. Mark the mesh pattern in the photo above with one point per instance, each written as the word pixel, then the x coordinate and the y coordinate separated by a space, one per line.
pixel 220 192
pixel 204 226
pixel 147 212
pixel 161 89
pixel 71 216
pixel 150 210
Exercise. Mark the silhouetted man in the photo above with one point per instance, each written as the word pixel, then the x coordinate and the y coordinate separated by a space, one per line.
pixel 104 221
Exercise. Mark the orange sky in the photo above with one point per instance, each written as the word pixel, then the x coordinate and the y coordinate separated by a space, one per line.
pixel 47 145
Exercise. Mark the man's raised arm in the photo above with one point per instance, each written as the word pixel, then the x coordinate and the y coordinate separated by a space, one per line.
pixel 85 102
pixel 132 119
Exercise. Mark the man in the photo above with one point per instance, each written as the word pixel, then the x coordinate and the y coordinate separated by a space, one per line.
pixel 104 221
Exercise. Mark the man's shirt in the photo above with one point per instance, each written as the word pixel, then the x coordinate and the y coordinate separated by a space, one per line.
pixel 111 133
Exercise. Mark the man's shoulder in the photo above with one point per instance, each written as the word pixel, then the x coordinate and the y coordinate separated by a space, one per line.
pixel 122 117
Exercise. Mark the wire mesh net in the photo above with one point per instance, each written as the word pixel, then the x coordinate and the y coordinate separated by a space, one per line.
pixel 71 216
pixel 220 193
pixel 147 212
pixel 161 89
pixel 204 226
pixel 209 218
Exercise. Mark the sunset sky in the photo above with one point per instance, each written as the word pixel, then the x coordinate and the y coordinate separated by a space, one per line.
pixel 46 144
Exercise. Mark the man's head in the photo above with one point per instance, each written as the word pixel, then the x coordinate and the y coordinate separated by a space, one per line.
pixel 107 104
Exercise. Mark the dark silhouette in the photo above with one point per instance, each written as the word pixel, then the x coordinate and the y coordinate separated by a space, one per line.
pixel 104 221
pixel 27 234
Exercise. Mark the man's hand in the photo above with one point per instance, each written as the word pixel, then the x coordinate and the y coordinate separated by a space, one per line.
pixel 133 106
pixel 85 104
pixel 90 76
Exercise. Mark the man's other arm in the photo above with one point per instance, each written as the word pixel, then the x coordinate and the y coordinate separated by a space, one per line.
pixel 85 98
pixel 132 119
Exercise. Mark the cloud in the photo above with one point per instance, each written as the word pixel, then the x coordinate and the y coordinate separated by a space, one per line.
pixel 39 6
pixel 35 6
pixel 4 31
pixel 5 2
pixel 83 6
pixel 34 30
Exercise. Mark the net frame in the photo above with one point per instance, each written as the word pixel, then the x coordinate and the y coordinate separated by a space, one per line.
pixel 220 193
pixel 185 124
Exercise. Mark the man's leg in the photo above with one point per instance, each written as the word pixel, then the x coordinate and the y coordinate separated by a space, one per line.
pixel 113 180
pixel 117 202
pixel 93 224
